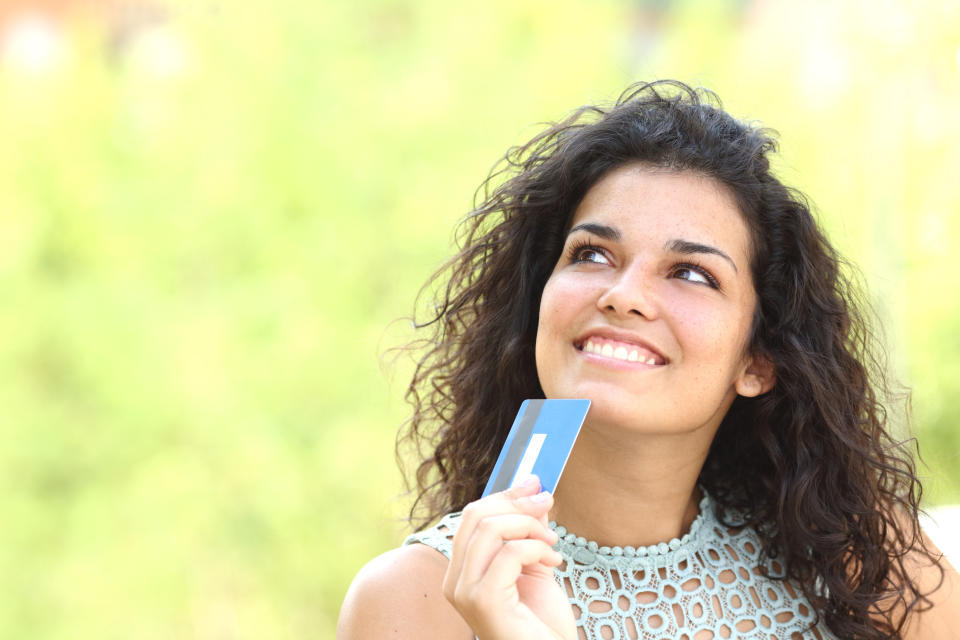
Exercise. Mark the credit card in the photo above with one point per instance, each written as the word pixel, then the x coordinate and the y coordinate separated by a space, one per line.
pixel 539 443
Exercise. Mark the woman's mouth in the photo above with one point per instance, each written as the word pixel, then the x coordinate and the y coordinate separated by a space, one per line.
pixel 618 350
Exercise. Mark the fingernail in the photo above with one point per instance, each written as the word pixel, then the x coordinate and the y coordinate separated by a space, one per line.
pixel 541 497
pixel 530 481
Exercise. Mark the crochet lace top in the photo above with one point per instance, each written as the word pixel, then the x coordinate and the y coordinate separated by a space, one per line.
pixel 703 586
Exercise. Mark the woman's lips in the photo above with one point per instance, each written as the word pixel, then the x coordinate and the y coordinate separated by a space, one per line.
pixel 618 350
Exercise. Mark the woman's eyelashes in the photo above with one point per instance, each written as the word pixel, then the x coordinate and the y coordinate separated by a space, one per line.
pixel 695 273
pixel 587 252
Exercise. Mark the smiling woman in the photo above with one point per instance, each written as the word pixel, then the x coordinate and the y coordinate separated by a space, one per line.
pixel 735 476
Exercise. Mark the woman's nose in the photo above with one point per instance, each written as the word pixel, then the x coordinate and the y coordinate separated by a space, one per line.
pixel 630 293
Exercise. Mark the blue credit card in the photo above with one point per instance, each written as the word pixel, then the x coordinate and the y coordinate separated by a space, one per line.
pixel 539 443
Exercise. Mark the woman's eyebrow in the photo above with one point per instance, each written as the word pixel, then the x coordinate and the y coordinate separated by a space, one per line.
pixel 687 247
pixel 602 230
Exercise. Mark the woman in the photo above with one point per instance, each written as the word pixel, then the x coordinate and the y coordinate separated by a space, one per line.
pixel 734 477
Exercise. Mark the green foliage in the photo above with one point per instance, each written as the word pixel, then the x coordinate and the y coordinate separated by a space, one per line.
pixel 206 235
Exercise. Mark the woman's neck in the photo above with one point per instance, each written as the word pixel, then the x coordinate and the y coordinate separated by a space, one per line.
pixel 631 489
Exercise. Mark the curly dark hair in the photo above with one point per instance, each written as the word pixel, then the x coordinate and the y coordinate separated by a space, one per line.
pixel 811 465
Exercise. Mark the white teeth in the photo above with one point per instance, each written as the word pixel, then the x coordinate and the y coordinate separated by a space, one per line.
pixel 619 352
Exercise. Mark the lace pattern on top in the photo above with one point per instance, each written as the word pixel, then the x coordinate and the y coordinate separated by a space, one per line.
pixel 704 586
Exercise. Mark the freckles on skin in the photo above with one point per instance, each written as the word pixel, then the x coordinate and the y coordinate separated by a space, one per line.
pixel 708 329
pixel 714 332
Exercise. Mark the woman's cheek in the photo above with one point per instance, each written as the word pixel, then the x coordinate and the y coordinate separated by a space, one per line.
pixel 559 297
pixel 697 322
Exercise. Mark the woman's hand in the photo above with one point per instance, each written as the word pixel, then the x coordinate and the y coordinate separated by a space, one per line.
pixel 500 576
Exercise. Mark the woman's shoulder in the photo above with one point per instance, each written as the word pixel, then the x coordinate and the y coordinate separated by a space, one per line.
pixel 937 578
pixel 439 536
pixel 399 594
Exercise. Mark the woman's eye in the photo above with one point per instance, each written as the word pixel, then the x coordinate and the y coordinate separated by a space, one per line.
pixel 694 274
pixel 589 254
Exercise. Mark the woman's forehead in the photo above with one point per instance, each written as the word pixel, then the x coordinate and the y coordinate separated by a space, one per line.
pixel 639 201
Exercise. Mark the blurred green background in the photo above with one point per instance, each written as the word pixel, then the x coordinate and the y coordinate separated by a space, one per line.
pixel 212 214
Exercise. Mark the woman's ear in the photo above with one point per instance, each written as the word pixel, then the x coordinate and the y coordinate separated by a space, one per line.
pixel 758 376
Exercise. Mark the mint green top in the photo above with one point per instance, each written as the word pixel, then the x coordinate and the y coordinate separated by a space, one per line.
pixel 703 586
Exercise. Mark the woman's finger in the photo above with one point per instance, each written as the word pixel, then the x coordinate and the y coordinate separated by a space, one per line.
pixel 504 570
pixel 489 538
pixel 518 499
pixel 529 507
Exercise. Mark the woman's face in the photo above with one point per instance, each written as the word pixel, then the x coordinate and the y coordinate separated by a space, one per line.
pixel 648 311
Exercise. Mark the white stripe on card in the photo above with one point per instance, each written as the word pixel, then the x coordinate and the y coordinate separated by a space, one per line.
pixel 529 457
